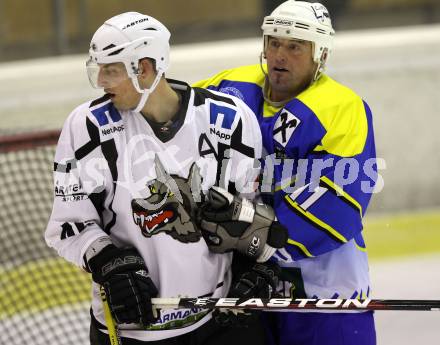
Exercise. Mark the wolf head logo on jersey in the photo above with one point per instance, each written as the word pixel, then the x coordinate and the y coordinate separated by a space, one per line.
pixel 171 207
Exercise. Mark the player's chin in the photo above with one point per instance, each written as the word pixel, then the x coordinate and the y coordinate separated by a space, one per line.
pixel 119 105
pixel 280 80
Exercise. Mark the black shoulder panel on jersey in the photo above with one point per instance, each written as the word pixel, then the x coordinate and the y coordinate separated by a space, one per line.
pixel 200 96
pixel 97 200
pixel 110 153
pixel 92 144
pixel 100 100
pixel 236 142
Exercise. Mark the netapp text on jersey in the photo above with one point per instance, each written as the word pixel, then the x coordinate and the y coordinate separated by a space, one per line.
pixel 112 130
pixel 220 134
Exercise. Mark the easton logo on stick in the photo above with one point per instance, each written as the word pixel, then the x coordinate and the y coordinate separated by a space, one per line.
pixel 293 303
pixel 276 303
pixel 289 304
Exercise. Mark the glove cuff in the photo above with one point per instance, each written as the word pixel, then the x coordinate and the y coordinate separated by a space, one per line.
pixel 96 246
pixel 94 249
pixel 94 262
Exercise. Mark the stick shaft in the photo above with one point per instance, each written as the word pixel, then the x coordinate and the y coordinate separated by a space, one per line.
pixel 297 304
pixel 113 331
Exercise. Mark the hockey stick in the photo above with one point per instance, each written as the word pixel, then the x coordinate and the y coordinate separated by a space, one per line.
pixel 113 330
pixel 296 304
pixel 274 304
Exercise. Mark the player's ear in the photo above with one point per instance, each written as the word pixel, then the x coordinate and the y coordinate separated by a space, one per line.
pixel 145 67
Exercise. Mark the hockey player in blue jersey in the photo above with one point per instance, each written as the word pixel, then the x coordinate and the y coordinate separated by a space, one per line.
pixel 319 171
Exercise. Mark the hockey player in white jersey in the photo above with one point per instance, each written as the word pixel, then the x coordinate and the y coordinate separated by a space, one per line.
pixel 130 168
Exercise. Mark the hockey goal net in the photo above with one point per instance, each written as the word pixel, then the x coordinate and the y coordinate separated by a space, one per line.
pixel 43 299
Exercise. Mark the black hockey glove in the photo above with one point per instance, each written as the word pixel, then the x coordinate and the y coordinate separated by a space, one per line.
pixel 123 275
pixel 230 222
pixel 260 281
pixel 251 280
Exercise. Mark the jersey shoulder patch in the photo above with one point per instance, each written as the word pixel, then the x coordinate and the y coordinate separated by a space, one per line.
pixel 285 126
pixel 106 117
pixel 103 110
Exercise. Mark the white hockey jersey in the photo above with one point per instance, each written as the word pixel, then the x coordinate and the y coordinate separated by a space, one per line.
pixel 105 160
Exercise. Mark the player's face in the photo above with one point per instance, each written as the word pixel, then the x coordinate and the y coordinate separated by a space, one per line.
pixel 103 76
pixel 290 67
pixel 114 79
pixel 124 96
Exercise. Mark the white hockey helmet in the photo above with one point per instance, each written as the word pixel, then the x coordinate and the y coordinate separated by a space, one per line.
pixel 305 21
pixel 127 38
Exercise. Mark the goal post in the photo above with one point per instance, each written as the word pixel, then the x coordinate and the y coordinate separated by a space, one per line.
pixel 29 141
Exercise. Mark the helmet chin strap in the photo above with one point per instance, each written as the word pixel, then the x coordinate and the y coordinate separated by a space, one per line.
pixel 317 73
pixel 146 92
pixel 261 64
pixel 320 63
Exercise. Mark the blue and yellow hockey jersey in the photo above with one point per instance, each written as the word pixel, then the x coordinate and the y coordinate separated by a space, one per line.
pixel 321 169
